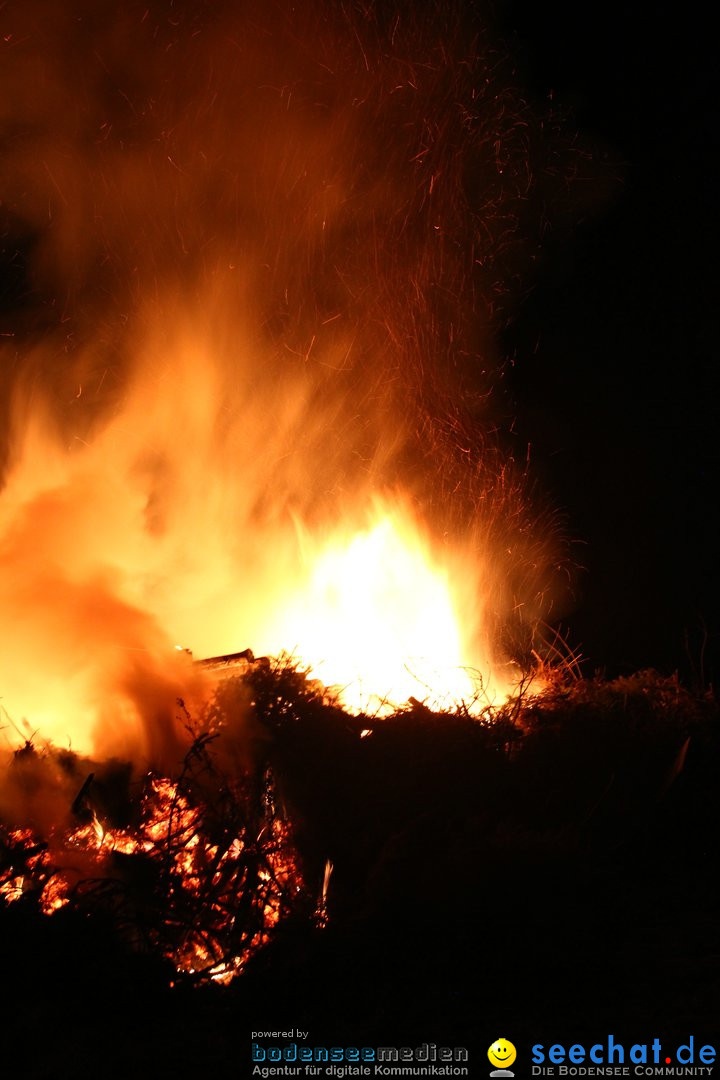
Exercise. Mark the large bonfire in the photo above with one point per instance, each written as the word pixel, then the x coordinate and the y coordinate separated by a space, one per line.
pixel 250 399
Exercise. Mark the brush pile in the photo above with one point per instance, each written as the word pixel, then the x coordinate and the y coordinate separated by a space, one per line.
pixel 551 815
pixel 197 868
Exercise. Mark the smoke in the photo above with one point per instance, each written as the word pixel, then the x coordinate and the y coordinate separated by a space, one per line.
pixel 256 256
pixel 351 182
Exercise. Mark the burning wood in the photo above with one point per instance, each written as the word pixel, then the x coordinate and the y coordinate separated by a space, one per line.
pixel 238 663
pixel 204 867
pixel 200 868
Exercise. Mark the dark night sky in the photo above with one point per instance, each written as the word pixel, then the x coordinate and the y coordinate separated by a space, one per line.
pixel 620 398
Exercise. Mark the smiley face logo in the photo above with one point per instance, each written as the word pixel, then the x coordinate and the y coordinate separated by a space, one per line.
pixel 502 1053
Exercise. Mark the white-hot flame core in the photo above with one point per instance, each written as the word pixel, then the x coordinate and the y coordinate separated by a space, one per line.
pixel 380 621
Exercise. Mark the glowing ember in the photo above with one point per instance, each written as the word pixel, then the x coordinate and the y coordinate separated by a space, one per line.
pixel 321 911
pixel 208 898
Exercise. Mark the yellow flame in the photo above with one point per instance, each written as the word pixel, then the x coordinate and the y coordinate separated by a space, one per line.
pixel 380 620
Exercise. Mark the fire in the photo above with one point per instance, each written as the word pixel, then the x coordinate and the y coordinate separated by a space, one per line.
pixel 249 411
pixel 118 546
pixel 206 893
pixel 260 420
pixel 382 620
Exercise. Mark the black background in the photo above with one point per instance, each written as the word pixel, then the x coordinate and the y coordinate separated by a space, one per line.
pixel 615 347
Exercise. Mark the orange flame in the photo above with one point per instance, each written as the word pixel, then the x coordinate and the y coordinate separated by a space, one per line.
pixel 113 549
